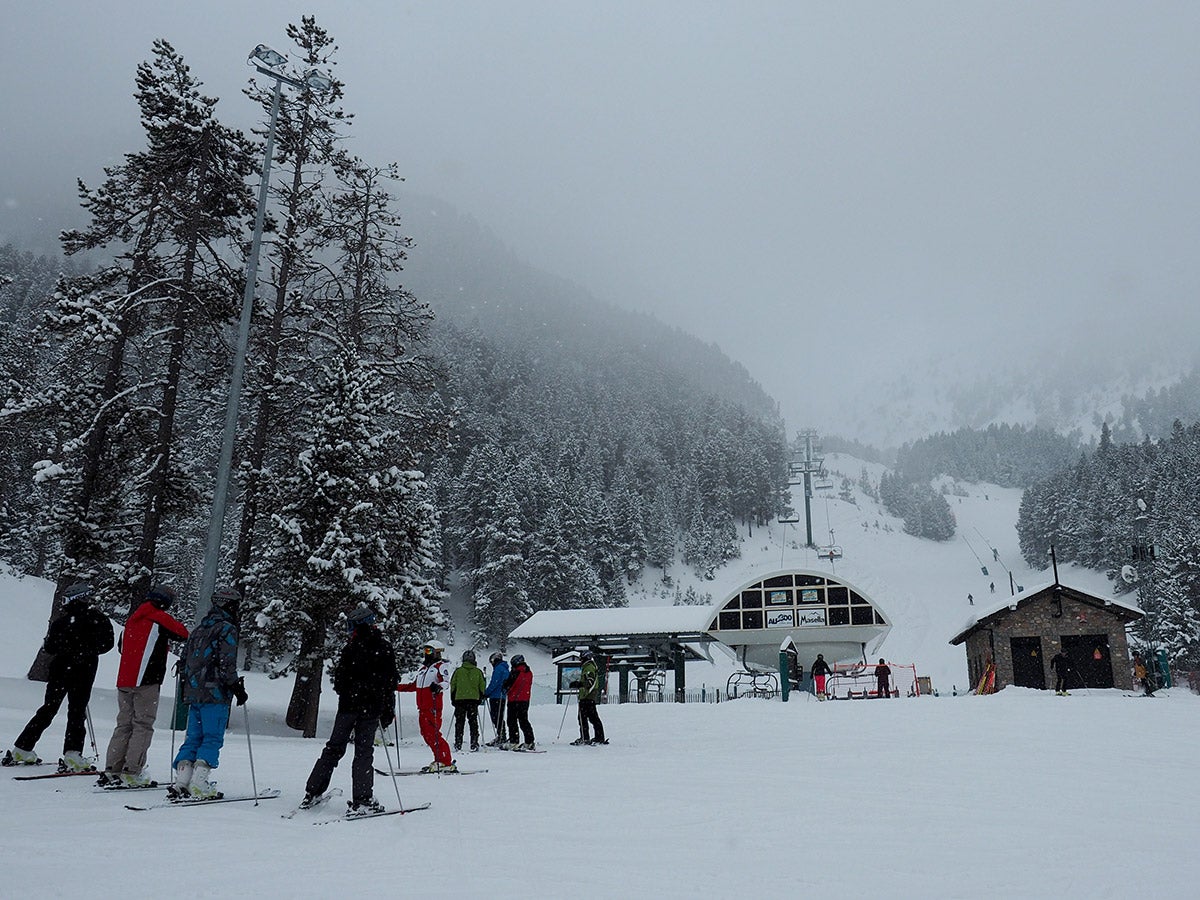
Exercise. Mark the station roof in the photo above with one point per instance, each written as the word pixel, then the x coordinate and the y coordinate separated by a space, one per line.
pixel 997 610
pixel 565 626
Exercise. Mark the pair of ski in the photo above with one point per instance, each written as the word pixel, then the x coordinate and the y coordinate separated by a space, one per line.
pixel 403 772
pixel 45 775
pixel 269 794
pixel 323 801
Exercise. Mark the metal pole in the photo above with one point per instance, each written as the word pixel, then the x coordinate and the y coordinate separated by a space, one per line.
pixel 392 768
pixel 92 732
pixel 253 781
pixel 216 521
pixel 564 718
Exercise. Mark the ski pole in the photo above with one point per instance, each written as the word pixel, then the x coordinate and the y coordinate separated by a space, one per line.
pixel 175 712
pixel 253 781
pixel 391 768
pixel 87 711
pixel 564 717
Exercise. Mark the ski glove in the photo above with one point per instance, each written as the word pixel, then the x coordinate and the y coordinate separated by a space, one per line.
pixel 386 718
pixel 239 691
pixel 435 688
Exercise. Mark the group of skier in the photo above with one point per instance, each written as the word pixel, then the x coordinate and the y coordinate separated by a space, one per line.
pixel 365 678
pixel 207 671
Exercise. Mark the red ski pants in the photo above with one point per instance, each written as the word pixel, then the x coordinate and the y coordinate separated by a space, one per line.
pixel 431 731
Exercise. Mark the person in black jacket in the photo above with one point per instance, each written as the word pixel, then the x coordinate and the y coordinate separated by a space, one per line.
pixel 76 639
pixel 820 672
pixel 1060 664
pixel 364 679
pixel 883 677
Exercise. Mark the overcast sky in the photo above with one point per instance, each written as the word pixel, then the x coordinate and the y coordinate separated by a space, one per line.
pixel 831 192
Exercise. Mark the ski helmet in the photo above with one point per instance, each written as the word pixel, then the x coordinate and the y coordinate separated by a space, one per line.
pixel 585 655
pixel 162 596
pixel 433 646
pixel 469 656
pixel 81 590
pixel 518 660
pixel 225 597
pixel 496 657
pixel 360 615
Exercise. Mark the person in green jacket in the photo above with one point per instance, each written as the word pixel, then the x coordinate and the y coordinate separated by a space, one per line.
pixel 467 688
pixel 589 693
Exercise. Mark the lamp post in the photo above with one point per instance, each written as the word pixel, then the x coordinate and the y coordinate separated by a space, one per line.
pixel 266 62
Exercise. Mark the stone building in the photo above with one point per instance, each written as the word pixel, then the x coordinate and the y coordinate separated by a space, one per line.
pixel 1022 634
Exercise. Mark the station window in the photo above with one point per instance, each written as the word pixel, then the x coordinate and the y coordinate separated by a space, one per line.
pixel 779 598
pixel 862 615
pixel 879 619
pixel 806 580
pixel 751 599
pixel 839 615
pixel 811 595
pixel 779 581
pixel 735 603
pixel 752 618
pixel 838 596
pixel 858 600
pixel 730 621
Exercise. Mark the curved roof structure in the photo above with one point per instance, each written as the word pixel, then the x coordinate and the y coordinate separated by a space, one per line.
pixel 820 612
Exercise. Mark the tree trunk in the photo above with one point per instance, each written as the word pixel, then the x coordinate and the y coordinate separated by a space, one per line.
pixel 306 692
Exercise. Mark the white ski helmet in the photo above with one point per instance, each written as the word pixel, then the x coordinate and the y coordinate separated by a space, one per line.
pixel 434 646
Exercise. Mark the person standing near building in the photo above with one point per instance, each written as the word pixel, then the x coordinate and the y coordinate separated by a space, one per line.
pixel 139 682
pixel 883 678
pixel 1142 674
pixel 1060 665
pixel 496 696
pixel 431 680
pixel 820 671
pixel 210 682
pixel 519 688
pixel 589 696
pixel 467 689
pixel 364 679
pixel 76 640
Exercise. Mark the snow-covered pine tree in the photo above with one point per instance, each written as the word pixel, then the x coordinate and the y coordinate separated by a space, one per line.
pixel 498 584
pixel 351 523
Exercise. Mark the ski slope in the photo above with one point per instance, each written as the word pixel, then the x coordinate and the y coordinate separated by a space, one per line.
pixel 1022 794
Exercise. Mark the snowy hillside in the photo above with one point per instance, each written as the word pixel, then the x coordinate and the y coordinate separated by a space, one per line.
pixel 934 797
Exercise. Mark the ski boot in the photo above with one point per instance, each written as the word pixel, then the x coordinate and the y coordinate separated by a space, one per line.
pixel 73 761
pixel 18 757
pixel 580 742
pixel 368 807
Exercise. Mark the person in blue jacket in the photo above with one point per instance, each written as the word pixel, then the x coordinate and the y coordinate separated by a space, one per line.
pixel 495 696
pixel 210 682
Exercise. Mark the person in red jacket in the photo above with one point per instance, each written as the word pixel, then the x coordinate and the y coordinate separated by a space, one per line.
pixel 432 679
pixel 520 685
pixel 139 679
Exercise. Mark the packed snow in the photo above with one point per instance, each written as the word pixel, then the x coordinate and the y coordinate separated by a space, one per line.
pixel 1021 794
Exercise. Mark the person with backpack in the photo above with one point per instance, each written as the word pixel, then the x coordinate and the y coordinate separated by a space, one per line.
pixel 76 640
pixel 883 677
pixel 143 666
pixel 364 679
pixel 589 695
pixel 467 689
pixel 496 696
pixel 430 681
pixel 210 682
pixel 820 672
pixel 518 688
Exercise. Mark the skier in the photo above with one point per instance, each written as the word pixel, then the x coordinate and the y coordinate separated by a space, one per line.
pixel 495 695
pixel 970 600
pixel 1142 674
pixel 139 679
pixel 76 640
pixel 589 694
pixel 519 686
pixel 467 689
pixel 883 675
pixel 210 680
pixel 364 678
pixel 992 587
pixel 1060 664
pixel 820 671
pixel 430 681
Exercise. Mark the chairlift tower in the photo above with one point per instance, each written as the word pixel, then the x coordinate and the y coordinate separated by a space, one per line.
pixel 806 463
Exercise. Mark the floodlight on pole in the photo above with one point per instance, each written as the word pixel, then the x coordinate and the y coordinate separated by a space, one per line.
pixel 314 81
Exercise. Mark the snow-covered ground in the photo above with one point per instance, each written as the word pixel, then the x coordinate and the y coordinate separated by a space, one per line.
pixel 1022 794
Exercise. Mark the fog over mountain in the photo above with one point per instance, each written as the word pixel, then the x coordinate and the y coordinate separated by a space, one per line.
pixel 896 217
